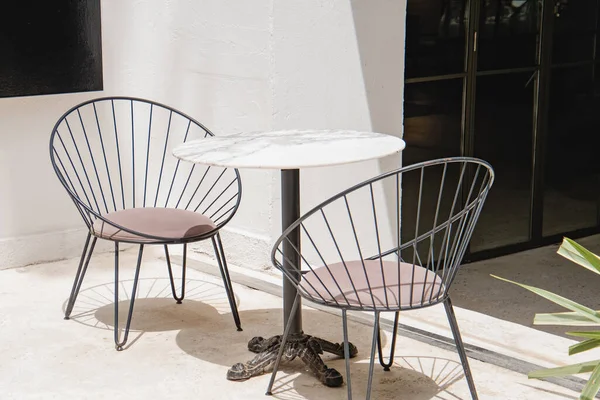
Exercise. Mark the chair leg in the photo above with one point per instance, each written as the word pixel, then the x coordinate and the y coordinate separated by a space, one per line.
pixel 286 332
pixel 179 299
pixel 373 347
pixel 83 265
pixel 347 352
pixel 460 347
pixel 119 344
pixel 220 254
pixel 386 366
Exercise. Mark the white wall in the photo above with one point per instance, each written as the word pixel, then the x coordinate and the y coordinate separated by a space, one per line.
pixel 235 66
pixel 338 64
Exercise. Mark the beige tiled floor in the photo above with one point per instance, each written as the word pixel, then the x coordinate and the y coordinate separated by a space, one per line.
pixel 183 351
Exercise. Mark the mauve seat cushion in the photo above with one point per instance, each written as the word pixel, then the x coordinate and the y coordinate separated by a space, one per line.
pixel 169 223
pixel 352 288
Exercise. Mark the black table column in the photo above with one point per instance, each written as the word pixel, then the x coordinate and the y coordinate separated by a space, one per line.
pixel 290 212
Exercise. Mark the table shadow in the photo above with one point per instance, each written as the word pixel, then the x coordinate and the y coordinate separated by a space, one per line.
pixel 216 343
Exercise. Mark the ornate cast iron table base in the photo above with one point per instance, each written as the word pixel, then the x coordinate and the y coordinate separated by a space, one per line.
pixel 307 348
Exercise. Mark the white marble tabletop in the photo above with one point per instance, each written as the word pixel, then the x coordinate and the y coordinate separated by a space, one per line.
pixel 290 149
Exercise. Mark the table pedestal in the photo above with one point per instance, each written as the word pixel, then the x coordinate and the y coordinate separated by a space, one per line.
pixel 307 348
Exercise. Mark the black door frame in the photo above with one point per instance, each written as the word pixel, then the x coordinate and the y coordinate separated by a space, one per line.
pixel 541 73
pixel 543 70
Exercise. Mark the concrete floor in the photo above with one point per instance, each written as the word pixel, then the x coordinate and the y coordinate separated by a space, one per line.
pixel 476 290
pixel 183 351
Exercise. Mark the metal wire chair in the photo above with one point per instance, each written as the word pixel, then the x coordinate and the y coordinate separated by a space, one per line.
pixel 113 156
pixel 392 243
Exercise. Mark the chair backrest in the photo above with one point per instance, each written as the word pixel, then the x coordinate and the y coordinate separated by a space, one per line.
pixel 419 217
pixel 115 153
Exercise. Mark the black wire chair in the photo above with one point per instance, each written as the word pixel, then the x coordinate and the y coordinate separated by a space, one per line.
pixel 113 156
pixel 392 243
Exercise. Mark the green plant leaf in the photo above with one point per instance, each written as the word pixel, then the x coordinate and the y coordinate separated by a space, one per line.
pixel 584 346
pixel 564 318
pixel 584 334
pixel 592 386
pixel 574 369
pixel 575 252
pixel 562 301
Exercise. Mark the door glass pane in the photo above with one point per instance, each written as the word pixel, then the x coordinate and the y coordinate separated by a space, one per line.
pixel 432 120
pixel 508 33
pixel 596 81
pixel 572 170
pixel 432 129
pixel 574 31
pixel 435 37
pixel 503 137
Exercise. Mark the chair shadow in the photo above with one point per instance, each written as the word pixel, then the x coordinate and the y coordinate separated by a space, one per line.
pixel 155 309
pixel 207 332
pixel 410 378
pixel 413 378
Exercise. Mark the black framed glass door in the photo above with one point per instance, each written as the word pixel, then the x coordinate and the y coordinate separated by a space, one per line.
pixel 512 82
pixel 504 112
pixel 435 75
pixel 571 170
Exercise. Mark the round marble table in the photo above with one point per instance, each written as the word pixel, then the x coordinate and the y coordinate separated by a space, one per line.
pixel 289 151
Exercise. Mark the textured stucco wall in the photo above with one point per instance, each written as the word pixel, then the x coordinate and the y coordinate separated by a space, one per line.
pixel 234 65
pixel 208 58
pixel 338 64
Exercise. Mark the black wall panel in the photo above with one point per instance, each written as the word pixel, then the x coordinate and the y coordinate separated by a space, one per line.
pixel 49 47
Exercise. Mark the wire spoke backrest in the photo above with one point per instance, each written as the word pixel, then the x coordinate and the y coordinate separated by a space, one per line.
pixel 406 230
pixel 113 154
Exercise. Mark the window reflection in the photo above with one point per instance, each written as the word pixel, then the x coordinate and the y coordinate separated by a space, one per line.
pixel 574 32
pixel 509 17
pixel 508 33
pixel 435 32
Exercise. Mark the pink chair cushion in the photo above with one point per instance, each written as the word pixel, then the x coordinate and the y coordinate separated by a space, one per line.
pixel 168 223
pixel 414 287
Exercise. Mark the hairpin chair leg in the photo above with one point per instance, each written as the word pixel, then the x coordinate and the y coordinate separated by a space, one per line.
pixel 81 270
pixel 119 344
pixel 373 347
pixel 286 332
pixel 177 298
pixel 220 254
pixel 460 347
pixel 347 352
pixel 386 366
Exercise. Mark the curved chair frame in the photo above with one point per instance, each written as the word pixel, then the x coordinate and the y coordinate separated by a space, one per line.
pixel 99 184
pixel 422 279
